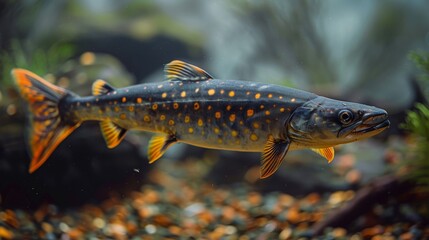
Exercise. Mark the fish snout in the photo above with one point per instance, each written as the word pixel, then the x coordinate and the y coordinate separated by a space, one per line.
pixel 374 121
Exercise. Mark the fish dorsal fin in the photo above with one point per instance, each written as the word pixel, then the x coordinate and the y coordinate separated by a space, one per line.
pixel 272 157
pixel 327 153
pixel 179 70
pixel 112 133
pixel 101 87
pixel 158 145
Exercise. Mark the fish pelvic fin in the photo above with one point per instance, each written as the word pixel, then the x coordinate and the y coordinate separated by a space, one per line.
pixel 101 87
pixel 112 133
pixel 158 144
pixel 179 70
pixel 273 155
pixel 47 130
pixel 327 153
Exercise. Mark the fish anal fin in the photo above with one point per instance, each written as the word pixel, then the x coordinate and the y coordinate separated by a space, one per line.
pixel 179 70
pixel 272 157
pixel 112 133
pixel 158 144
pixel 101 87
pixel 327 153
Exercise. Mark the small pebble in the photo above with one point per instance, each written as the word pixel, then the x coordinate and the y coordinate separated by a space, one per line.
pixel 99 223
pixel 285 234
pixel 353 176
pixel 151 229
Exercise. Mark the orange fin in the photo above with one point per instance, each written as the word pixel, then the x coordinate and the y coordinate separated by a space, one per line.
pixel 47 130
pixel 101 87
pixel 112 133
pixel 158 145
pixel 272 157
pixel 179 70
pixel 327 153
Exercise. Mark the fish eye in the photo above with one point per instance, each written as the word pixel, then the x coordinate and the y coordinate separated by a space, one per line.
pixel 345 116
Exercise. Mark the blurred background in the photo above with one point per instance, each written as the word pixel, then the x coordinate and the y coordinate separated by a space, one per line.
pixel 372 52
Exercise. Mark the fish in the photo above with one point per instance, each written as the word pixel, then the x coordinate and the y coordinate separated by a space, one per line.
pixel 194 108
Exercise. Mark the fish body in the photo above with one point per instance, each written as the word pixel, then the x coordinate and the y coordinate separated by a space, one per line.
pixel 194 108
pixel 226 114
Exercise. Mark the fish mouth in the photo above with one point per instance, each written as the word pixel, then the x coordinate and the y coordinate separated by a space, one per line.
pixel 370 124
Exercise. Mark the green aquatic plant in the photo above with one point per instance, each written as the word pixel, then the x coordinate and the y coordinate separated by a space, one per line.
pixel 417 123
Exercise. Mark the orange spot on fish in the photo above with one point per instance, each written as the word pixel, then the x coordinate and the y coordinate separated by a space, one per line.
pixel 257 96
pixel 211 92
pixel 262 107
pixel 175 105
pixel 250 112
pixel 267 113
pixel 234 133
pixel 122 116
pixel 116 109
pixel 256 125
pixel 222 91
pixel 218 115
pixel 183 94
pixel 228 107
pixel 162 117
pixel 196 106
pixel 282 109
pixel 293 100
pixel 190 130
pixel 146 118
pixel 164 95
pixel 171 122
pixel 231 94
pixel 131 108
pixel 200 122
pixel 154 106
pixel 139 100
pixel 209 107
pixel 232 117
pixel 124 99
pixel 187 119
pixel 216 130
pixel 254 137
pixel 270 95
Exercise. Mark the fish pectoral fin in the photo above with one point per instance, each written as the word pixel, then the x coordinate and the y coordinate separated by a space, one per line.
pixel 158 144
pixel 272 157
pixel 327 153
pixel 101 87
pixel 179 70
pixel 112 133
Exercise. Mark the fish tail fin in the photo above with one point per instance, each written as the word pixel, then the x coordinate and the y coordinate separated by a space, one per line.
pixel 47 130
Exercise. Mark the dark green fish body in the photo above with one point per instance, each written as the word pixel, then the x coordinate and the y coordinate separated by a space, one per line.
pixel 196 109
pixel 225 114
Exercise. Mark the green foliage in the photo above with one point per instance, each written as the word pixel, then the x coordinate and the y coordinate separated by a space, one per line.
pixel 421 60
pixel 417 122
pixel 38 60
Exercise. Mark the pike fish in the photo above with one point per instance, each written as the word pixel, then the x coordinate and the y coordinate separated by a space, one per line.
pixel 194 108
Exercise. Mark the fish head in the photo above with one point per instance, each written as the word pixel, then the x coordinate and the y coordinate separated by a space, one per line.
pixel 324 122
